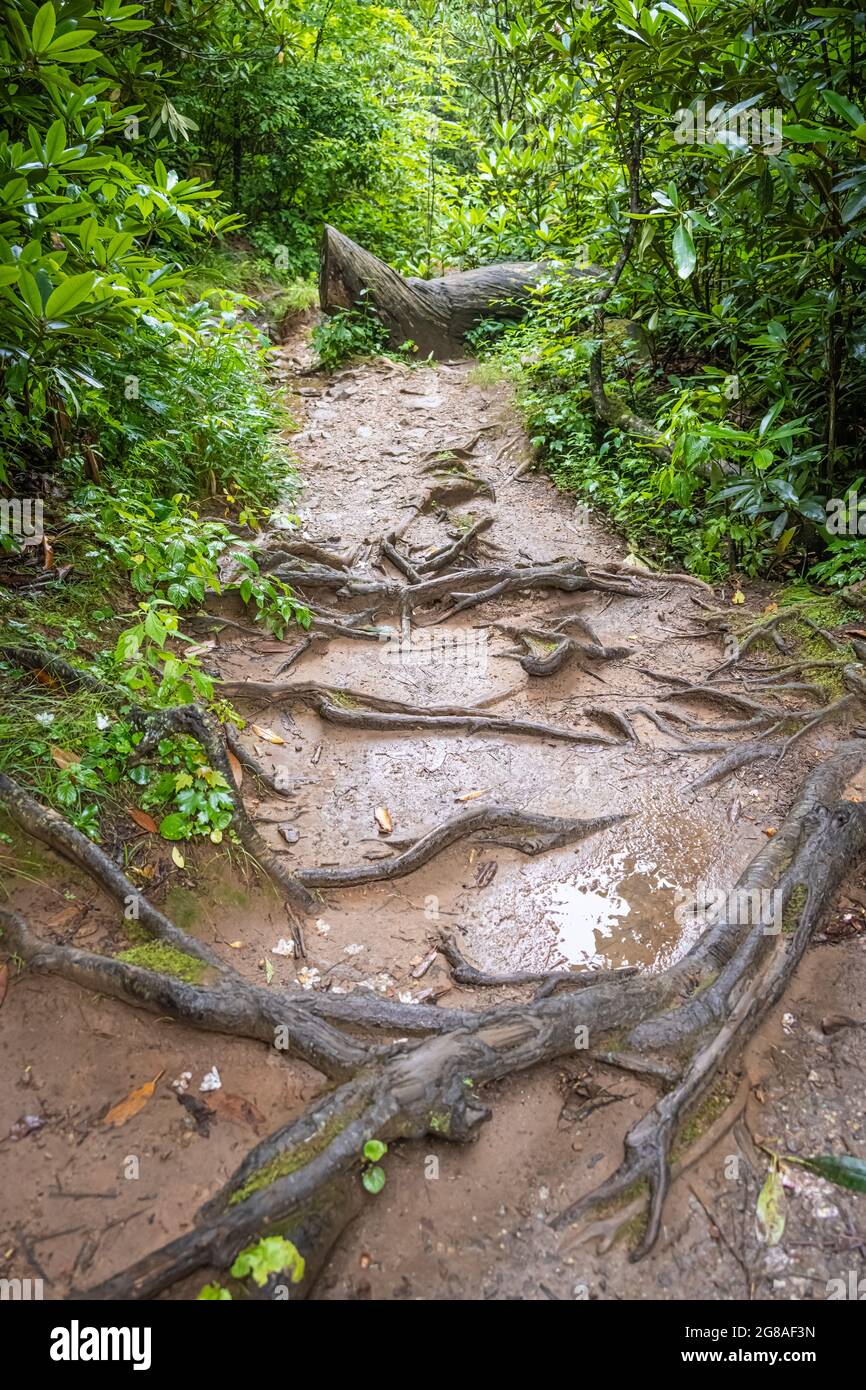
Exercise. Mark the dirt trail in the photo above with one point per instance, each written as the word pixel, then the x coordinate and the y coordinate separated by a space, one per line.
pixel 453 1221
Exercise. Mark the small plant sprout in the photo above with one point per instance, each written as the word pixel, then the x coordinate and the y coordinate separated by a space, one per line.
pixel 372 1176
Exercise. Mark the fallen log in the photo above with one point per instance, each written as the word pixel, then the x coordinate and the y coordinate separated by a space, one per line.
pixel 434 314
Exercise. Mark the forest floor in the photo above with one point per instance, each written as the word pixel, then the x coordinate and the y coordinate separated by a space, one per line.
pixel 453 1222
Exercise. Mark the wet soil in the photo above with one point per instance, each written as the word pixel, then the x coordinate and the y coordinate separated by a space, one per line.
pixel 80 1199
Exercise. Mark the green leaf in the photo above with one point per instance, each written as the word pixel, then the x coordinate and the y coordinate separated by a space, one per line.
pixel 770 1211
pixel 30 292
pixel 174 827
pixel 73 38
pixel 841 106
pixel 43 28
pixel 844 1171
pixel 811 135
pixel 70 294
pixel 270 1256
pixel 213 1293
pixel 55 141
pixel 155 628
pixel 374 1149
pixel 684 251
pixel 854 205
pixel 373 1179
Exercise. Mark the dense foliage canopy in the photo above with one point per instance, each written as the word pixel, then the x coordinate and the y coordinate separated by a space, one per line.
pixel 710 155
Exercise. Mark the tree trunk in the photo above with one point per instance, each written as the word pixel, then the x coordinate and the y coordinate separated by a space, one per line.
pixel 434 314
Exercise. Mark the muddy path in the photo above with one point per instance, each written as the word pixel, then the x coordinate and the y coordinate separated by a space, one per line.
pixel 453 1221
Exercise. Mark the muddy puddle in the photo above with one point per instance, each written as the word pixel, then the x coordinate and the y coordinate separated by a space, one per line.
pixel 620 899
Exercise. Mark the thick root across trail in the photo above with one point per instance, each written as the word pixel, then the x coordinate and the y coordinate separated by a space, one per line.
pixel 401 1069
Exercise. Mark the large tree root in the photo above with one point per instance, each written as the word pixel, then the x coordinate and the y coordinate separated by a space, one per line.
pixel 819 842
pixel 463 972
pixel 531 834
pixel 496 580
pixel 354 710
pixel 741 755
pixel 46 825
pixel 545 650
pixel 686 1022
pixel 189 719
pixel 232 1006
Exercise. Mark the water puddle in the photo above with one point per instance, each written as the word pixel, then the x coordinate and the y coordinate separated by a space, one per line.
pixel 620 899
pixel 621 906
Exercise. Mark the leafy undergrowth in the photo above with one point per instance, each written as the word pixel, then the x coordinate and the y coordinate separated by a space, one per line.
pixel 356 333
pixel 120 569
pixel 737 495
pixel 274 294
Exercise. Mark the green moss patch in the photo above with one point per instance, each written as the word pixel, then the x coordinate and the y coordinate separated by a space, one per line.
pixel 165 960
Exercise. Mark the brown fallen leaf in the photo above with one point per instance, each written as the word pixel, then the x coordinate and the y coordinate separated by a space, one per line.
pixel 236 767
pixel 131 1104
pixel 237 1109
pixel 64 759
pixel 383 820
pixel 4 982
pixel 267 734
pixel 472 796
pixel 47 553
pixel 143 820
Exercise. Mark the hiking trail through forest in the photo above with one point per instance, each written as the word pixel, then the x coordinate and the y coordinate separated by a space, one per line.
pixel 412 475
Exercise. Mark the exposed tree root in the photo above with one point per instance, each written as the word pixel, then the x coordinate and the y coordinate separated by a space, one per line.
pixel 531 834
pixel 741 755
pixel 279 550
pixel 606 1230
pixel 818 842
pixel 355 710
pixel 179 719
pixel 252 764
pixel 663 576
pixel 46 825
pixel 700 1010
pixel 545 650
pixel 571 576
pixel 190 719
pixel 232 1005
pixel 464 973
pixel 447 554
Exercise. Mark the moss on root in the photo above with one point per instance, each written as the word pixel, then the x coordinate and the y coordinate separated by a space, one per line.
pixel 283 1164
pixel 339 697
pixel 165 960
pixel 714 1104
pixel 794 909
